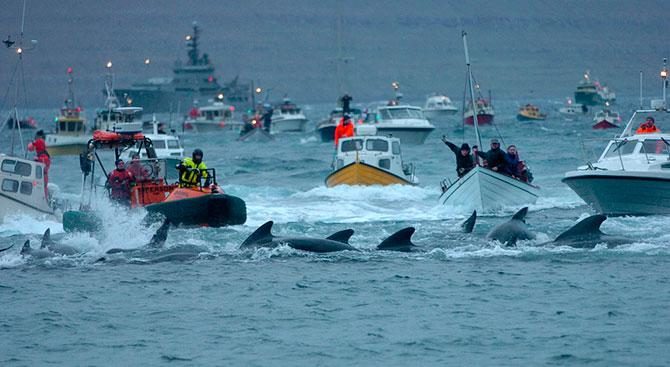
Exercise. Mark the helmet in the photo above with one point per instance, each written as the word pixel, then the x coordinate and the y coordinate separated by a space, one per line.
pixel 197 152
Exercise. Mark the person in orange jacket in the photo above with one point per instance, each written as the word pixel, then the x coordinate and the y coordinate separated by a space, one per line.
pixel 648 127
pixel 39 146
pixel 344 129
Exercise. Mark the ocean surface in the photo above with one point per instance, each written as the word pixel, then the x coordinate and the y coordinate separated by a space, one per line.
pixel 462 300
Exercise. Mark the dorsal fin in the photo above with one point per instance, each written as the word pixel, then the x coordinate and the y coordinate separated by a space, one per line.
pixel 341 236
pixel 261 235
pixel 399 241
pixel 46 238
pixel 26 247
pixel 521 214
pixel 469 223
pixel 159 238
pixel 587 226
pixel 6 248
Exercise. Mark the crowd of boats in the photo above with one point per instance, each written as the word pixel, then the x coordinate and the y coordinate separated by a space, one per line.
pixel 635 163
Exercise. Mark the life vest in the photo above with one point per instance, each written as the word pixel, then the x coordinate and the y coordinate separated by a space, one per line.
pixel 119 182
pixel 343 131
pixel 647 129
pixel 188 175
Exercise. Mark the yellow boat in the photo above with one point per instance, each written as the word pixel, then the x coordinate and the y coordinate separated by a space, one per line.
pixel 70 137
pixel 367 160
pixel 530 112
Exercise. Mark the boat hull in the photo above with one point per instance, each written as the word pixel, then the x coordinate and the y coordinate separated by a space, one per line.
pixel 326 132
pixel 483 119
pixel 616 193
pixel 487 191
pixel 521 117
pixel 604 124
pixel 66 145
pixel 257 134
pixel 212 210
pixel 359 173
pixel 10 206
pixel 440 114
pixel 407 135
pixel 288 125
pixel 588 98
pixel 208 127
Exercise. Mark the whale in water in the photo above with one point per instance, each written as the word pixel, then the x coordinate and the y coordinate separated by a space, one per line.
pixel 513 230
pixel 263 237
pixel 587 234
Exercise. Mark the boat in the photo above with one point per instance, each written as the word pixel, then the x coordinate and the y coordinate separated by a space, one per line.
pixel 165 146
pixel 368 159
pixel 572 111
pixel 25 123
pixel 193 80
pixel 157 191
pixel 482 189
pixel 216 116
pixel 530 112
pixel 439 107
pixel 255 132
pixel 485 111
pixel 606 119
pixel 70 137
pixel 591 93
pixel 404 122
pixel 632 175
pixel 287 117
pixel 326 128
pixel 22 189
pixel 112 117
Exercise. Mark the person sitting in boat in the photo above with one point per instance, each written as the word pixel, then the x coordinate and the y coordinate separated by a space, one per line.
pixel 464 161
pixel 648 127
pixel 267 117
pixel 39 146
pixel 119 182
pixel 494 159
pixel 344 129
pixel 192 170
pixel 138 171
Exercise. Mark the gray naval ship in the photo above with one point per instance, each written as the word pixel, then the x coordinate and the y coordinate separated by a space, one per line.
pixel 192 81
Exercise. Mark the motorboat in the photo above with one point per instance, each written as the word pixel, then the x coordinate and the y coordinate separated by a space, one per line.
pixel 114 118
pixel 485 112
pixel 369 159
pixel 326 128
pixel 155 189
pixel 70 137
pixel 404 122
pixel 254 131
pixel 439 107
pixel 483 189
pixel 165 146
pixel 287 117
pixel 26 123
pixel 632 175
pixel 216 116
pixel 23 188
pixel 530 112
pixel 606 119
pixel 590 92
pixel 572 111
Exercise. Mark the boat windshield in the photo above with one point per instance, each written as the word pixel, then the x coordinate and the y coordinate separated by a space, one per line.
pixel 655 146
pixel 173 144
pixel 641 123
pixel 158 144
pixel 377 145
pixel 352 145
pixel 621 147
pixel 400 113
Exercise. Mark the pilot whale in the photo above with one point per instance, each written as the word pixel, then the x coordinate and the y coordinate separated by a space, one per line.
pixel 263 237
pixel 587 234
pixel 513 230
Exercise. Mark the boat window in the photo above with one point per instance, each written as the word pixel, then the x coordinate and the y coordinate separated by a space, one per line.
pixel 385 163
pixel 71 126
pixel 62 126
pixel 19 168
pixel 655 146
pixel 26 188
pixel 227 114
pixel 377 145
pixel 173 144
pixel 396 147
pixel 626 148
pixel 9 185
pixel 352 145
pixel 159 144
pixel 384 114
pixel 38 172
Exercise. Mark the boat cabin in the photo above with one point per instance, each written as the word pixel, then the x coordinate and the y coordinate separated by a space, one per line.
pixel 119 119
pixel 22 181
pixel 215 112
pixel 439 103
pixel 389 113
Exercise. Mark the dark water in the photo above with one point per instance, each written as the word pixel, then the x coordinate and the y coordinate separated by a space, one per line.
pixel 461 301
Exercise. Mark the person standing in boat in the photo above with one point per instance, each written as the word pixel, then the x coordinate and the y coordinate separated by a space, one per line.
pixel 494 159
pixel 138 171
pixel 192 170
pixel 344 129
pixel 39 146
pixel 267 117
pixel 119 182
pixel 345 100
pixel 464 160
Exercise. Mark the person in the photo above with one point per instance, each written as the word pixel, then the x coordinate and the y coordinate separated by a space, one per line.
pixel 39 146
pixel 119 182
pixel 512 162
pixel 344 129
pixel 136 168
pixel 247 125
pixel 464 161
pixel 346 103
pixel 648 127
pixel 191 170
pixel 267 117
pixel 494 159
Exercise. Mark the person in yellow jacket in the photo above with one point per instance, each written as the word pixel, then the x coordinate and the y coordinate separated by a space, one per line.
pixel 191 170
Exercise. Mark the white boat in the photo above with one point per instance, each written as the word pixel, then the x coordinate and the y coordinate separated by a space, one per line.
pixel 404 122
pixel 70 137
pixel 482 189
pixel 113 117
pixel 326 127
pixel 572 111
pixel 606 118
pixel 287 117
pixel 368 159
pixel 632 175
pixel 165 146
pixel 439 107
pixel 22 190
pixel 216 116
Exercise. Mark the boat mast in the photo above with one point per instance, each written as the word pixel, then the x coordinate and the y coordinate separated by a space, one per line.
pixel 70 103
pixel 472 90
pixel 664 79
pixel 641 103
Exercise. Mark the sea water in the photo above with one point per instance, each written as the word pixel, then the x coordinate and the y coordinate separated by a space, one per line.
pixel 461 300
